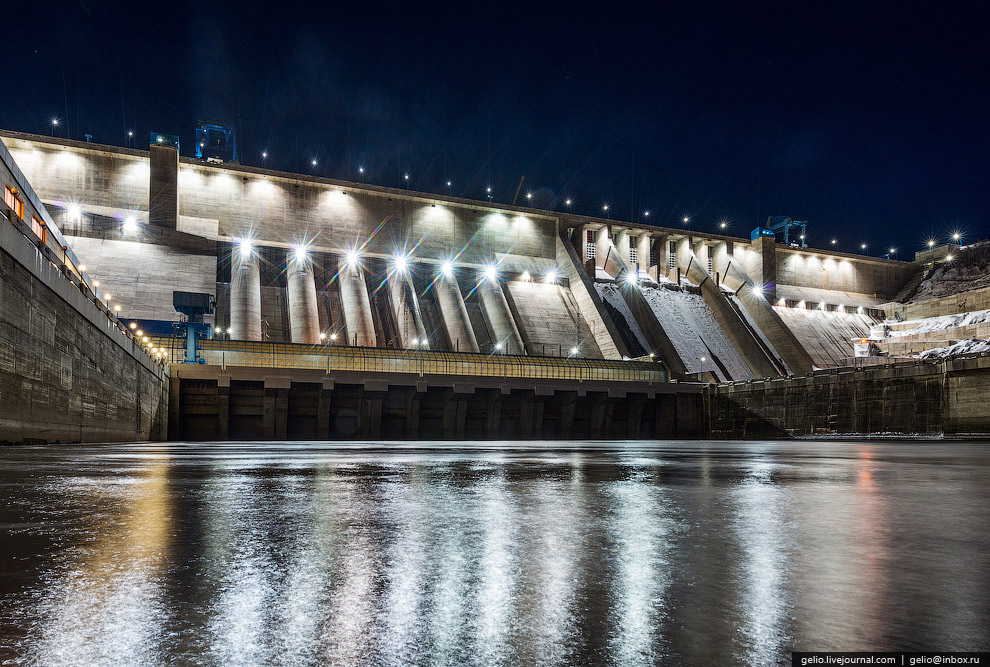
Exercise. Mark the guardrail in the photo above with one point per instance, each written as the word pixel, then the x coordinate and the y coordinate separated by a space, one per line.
pixel 332 358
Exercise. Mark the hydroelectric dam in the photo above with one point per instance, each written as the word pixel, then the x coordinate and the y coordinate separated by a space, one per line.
pixel 147 295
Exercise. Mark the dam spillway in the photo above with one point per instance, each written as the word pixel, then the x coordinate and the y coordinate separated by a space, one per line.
pixel 312 267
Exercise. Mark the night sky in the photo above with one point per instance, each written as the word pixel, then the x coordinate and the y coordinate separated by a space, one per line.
pixel 868 120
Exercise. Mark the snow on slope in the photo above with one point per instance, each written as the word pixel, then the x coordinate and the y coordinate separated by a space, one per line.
pixel 695 333
pixel 929 324
pixel 971 346
pixel 609 292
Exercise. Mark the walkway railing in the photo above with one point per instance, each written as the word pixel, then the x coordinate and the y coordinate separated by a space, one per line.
pixel 332 358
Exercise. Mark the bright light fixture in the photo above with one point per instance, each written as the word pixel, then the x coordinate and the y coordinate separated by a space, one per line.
pixel 82 268
pixel 491 273
pixel 574 350
pixel 108 296
pixel 245 247
pixel 352 257
pixel 130 223
pixel 323 336
pixel 567 203
pixel 551 276
pixel 956 236
pixel 447 269
pixel 685 218
pixel 401 263
pixel 948 258
pixel 525 277
pixel 134 325
pixel 415 342
pixel 218 330
pixel 74 210
pixel 632 278
pixel 301 253
pixel 498 346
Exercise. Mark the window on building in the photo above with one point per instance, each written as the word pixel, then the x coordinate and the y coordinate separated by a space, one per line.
pixel 590 247
pixel 13 202
pixel 39 229
pixel 633 255
pixel 672 255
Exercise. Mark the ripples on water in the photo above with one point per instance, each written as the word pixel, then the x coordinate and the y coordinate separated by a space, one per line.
pixel 548 554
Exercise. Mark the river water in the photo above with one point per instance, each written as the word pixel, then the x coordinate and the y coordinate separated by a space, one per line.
pixel 491 553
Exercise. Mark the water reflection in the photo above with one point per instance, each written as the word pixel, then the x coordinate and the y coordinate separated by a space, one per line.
pixel 678 553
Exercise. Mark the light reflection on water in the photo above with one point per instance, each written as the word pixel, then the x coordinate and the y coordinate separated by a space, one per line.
pixel 550 554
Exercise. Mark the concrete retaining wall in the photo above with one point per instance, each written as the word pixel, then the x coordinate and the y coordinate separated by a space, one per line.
pixel 941 398
pixel 67 374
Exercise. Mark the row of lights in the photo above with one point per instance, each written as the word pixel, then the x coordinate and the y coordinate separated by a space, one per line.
pixel 400 263
pixel 130 223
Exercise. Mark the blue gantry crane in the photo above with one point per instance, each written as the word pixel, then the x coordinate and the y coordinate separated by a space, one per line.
pixel 194 305
pixel 782 223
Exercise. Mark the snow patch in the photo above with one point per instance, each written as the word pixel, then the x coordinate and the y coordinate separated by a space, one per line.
pixel 695 333
pixel 970 346
pixel 929 324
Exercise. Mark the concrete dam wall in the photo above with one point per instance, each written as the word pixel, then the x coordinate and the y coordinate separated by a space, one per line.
pixel 68 373
pixel 315 264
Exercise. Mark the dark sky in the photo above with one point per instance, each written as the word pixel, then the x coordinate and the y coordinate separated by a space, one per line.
pixel 868 120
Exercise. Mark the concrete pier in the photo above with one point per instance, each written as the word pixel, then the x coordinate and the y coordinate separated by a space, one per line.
pixel 455 315
pixel 355 303
pixel 304 319
pixel 499 318
pixel 245 297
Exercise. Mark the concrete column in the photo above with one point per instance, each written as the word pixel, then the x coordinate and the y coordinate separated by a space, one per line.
pixel 621 243
pixel 643 246
pixel 455 315
pixel 323 416
pixel 764 270
pixel 499 318
pixel 163 187
pixel 527 408
pixel 223 407
pixel 275 411
pixel 581 242
pixel 568 402
pixel 634 414
pixel 356 305
pixel 604 245
pixel 412 413
pixel 721 259
pixel 406 309
pixel 304 319
pixel 245 297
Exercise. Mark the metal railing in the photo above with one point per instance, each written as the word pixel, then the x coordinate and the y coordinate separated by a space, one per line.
pixel 332 358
